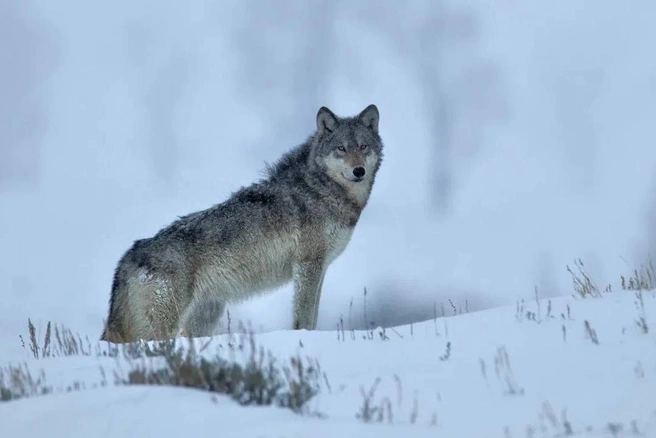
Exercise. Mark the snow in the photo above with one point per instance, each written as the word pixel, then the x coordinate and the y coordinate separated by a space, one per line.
pixel 547 363
pixel 138 412
pixel 117 118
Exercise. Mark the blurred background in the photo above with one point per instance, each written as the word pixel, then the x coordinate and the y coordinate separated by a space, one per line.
pixel 519 136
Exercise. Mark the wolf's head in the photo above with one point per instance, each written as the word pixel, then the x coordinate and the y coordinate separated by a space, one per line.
pixel 349 149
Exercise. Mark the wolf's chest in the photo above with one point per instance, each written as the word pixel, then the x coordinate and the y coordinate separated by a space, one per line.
pixel 337 237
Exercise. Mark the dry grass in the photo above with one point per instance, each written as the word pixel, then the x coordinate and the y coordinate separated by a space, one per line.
pixel 640 279
pixel 58 341
pixel 17 382
pixel 260 380
pixel 257 379
pixel 583 284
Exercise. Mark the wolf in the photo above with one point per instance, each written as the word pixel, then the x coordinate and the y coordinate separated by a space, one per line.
pixel 289 226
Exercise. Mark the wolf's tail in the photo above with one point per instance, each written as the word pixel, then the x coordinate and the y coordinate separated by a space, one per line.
pixel 113 331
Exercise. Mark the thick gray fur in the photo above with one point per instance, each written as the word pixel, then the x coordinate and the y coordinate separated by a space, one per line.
pixel 289 226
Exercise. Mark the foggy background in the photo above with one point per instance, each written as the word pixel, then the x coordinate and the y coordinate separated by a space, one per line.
pixel 518 137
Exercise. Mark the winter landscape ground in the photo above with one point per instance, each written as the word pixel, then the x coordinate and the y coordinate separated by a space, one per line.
pixel 583 365
pixel 519 136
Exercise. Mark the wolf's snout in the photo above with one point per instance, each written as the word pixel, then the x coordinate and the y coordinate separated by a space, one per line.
pixel 358 172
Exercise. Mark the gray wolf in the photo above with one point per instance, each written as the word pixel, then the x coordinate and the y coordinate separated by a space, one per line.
pixel 288 226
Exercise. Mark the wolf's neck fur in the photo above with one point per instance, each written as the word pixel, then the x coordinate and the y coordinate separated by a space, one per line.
pixel 359 192
pixel 298 163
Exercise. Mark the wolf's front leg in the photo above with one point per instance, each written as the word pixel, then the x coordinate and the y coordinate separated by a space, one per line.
pixel 308 276
pixel 318 301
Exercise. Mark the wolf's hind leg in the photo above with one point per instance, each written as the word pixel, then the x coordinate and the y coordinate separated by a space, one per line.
pixel 201 317
pixel 154 308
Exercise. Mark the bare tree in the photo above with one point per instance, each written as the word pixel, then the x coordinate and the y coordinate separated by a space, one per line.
pixel 459 98
pixel 162 79
pixel 285 55
pixel 27 56
pixel 575 96
pixel 287 52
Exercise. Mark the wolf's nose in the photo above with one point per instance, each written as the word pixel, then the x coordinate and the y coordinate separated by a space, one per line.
pixel 359 172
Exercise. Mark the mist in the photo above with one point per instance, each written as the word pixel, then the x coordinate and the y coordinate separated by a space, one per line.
pixel 518 138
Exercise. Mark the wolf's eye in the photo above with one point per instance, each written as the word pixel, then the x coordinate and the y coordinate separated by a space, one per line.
pixel 341 148
pixel 363 147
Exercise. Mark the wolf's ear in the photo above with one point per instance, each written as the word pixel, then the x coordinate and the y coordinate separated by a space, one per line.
pixel 326 121
pixel 369 117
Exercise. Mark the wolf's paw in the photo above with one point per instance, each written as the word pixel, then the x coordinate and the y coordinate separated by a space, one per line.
pixel 182 333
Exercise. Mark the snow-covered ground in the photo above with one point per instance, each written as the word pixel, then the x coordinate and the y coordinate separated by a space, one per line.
pixel 524 370
pixel 156 109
